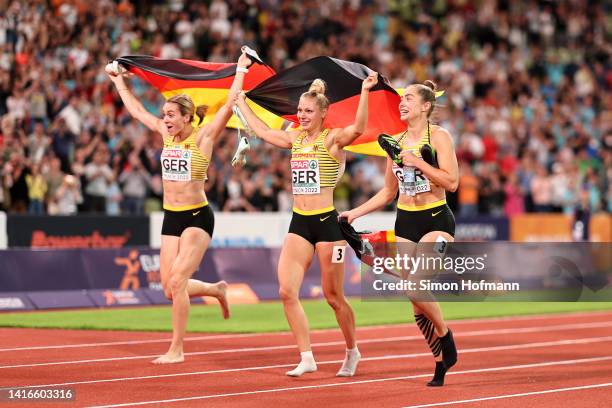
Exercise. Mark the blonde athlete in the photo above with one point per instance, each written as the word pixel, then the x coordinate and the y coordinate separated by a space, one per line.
pixel 423 216
pixel 317 162
pixel 188 220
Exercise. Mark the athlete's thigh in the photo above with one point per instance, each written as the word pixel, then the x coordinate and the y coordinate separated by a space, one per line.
pixel 432 248
pixel 167 255
pixel 404 248
pixel 295 258
pixel 331 258
pixel 193 244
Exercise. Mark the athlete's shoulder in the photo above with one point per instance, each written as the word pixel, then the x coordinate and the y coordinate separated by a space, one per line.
pixel 201 132
pixel 440 135
pixel 437 129
pixel 330 131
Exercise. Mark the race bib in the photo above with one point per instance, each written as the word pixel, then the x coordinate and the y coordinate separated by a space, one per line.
pixel 422 182
pixel 176 164
pixel 305 175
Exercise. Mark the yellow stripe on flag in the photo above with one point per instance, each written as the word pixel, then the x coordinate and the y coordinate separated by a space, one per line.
pixel 369 148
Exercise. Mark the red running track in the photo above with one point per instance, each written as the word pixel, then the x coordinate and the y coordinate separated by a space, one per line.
pixel 535 361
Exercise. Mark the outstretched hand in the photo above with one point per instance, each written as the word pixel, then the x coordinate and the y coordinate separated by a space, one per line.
pixel 370 81
pixel 114 69
pixel 244 61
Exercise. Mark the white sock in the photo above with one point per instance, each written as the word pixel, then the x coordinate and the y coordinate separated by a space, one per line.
pixel 349 366
pixel 307 365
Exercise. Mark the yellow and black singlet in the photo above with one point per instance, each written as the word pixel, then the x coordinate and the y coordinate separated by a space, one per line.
pixel 183 161
pixel 313 166
pixel 422 182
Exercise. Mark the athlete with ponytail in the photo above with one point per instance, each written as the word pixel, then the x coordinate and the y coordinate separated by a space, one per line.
pixel 317 163
pixel 188 220
pixel 423 216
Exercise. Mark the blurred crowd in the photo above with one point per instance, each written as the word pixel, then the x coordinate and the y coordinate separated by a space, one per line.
pixel 527 97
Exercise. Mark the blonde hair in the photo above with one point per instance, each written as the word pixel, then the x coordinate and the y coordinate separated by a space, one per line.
pixel 187 107
pixel 317 91
pixel 427 92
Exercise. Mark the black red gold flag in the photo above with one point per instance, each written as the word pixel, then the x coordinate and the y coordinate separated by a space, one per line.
pixel 280 94
pixel 206 83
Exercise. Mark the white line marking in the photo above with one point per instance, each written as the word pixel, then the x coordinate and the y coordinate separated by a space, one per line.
pixel 308 387
pixel 330 343
pixel 524 394
pixel 365 359
pixel 241 335
pixel 133 342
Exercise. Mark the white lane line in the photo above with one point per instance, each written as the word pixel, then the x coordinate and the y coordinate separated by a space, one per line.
pixel 359 329
pixel 376 380
pixel 365 359
pixel 135 342
pixel 523 394
pixel 540 329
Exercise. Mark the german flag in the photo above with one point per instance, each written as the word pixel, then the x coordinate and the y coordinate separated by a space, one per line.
pixel 207 83
pixel 280 94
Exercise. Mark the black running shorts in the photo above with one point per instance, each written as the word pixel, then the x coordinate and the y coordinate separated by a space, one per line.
pixel 315 228
pixel 413 225
pixel 175 222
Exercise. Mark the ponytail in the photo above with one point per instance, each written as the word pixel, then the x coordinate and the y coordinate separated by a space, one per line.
pixel 317 91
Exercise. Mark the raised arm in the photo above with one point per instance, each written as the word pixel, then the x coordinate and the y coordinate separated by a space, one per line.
pixel 278 138
pixel 347 135
pixel 223 115
pixel 133 105
pixel 447 175
pixel 386 195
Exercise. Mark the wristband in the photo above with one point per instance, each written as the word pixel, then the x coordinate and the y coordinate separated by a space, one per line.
pixel 241 69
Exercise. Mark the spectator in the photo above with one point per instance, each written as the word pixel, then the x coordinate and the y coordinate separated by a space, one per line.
pixel 468 191
pixel 541 190
pixel 99 175
pixel 37 105
pixel 62 142
pixel 15 172
pixel 17 106
pixel 135 181
pixel 513 204
pixel 68 196
pixel 113 196
pixel 38 144
pixel 37 188
pixel 54 176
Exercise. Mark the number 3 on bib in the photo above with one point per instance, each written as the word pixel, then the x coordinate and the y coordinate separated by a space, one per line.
pixel 338 254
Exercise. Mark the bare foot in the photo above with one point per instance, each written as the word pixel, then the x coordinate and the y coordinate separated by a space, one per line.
pixel 169 359
pixel 222 298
